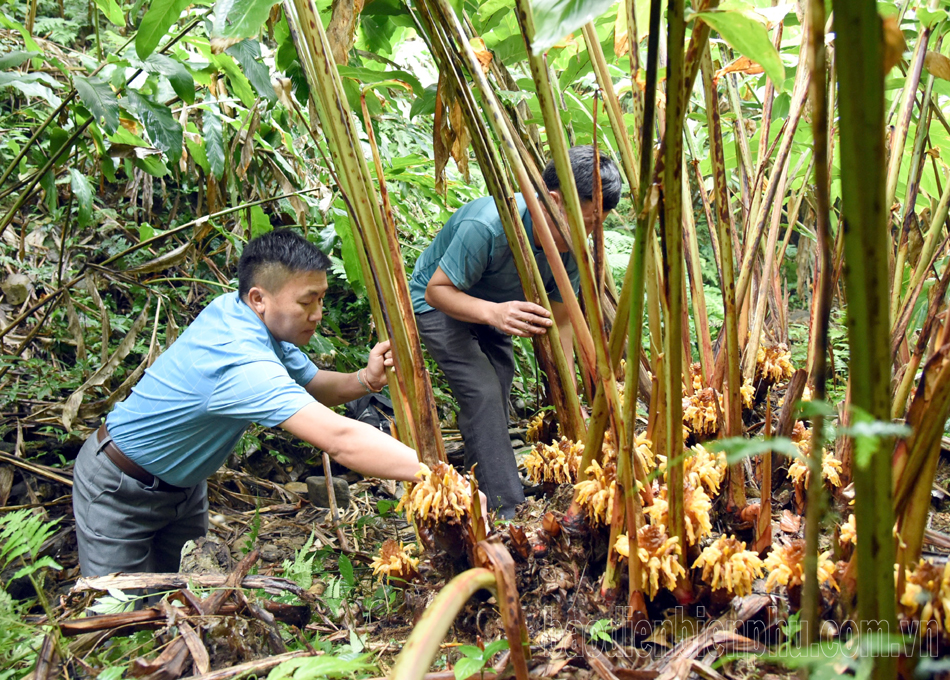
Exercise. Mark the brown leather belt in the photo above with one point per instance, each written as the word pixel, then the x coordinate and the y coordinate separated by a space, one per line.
pixel 133 470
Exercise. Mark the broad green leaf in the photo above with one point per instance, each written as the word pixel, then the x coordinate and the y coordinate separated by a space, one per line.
pixel 163 130
pixel 123 136
pixel 555 19
pixel 28 84
pixel 346 568
pixel 240 18
pixel 214 139
pixel 370 76
pixel 15 58
pixel 466 667
pixel 82 190
pixel 247 53
pixel 494 648
pixel 239 82
pixel 424 104
pixel 749 36
pixel 351 261
pixel 112 11
pixel 471 651
pixel 931 18
pixel 197 152
pixel 260 224
pixel 152 165
pixel 99 98
pixel 158 19
pixel 313 667
pixel 181 81
pixel 31 44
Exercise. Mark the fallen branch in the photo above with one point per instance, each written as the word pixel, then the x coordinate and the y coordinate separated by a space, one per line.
pixel 272 585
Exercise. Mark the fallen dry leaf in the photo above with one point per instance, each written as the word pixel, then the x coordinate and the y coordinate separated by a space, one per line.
pixel 481 53
pixel 750 512
pixel 741 65
pixel 621 34
pixel 790 523
pixel 937 65
pixel 894 43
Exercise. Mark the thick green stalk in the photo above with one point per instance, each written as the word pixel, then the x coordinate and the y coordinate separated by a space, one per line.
pixel 898 140
pixel 423 644
pixel 614 112
pixel 859 34
pixel 697 294
pixel 931 241
pixel 923 339
pixel 672 246
pixel 816 496
pixel 758 320
pixel 728 356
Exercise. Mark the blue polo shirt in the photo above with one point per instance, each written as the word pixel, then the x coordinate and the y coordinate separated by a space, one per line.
pixel 473 251
pixel 226 371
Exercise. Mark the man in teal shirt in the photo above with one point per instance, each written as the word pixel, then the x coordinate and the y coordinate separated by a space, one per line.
pixel 468 300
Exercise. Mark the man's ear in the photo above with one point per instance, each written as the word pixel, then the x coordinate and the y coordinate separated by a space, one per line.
pixel 255 299
pixel 557 197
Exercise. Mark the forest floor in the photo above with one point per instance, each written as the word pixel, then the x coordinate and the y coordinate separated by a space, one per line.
pixel 348 611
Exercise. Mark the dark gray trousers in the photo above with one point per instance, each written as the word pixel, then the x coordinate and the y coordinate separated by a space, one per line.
pixel 124 525
pixel 478 362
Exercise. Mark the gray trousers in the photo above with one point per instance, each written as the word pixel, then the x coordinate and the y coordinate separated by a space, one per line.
pixel 124 525
pixel 478 362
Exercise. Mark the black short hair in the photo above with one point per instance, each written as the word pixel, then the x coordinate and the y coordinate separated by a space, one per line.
pixel 280 251
pixel 582 163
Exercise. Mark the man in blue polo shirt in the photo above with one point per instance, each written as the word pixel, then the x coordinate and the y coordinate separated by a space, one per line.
pixel 468 300
pixel 139 482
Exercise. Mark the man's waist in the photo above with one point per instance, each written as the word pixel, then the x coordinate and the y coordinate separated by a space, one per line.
pixel 127 465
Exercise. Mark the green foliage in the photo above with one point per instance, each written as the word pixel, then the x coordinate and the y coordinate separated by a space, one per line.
pixel 111 10
pixel 158 19
pixel 22 534
pixel 32 85
pixel 739 448
pixel 178 76
pixel 311 668
pixel 214 144
pixel 255 532
pixel 554 19
pixel 19 642
pixel 301 569
pixel 746 32
pixel 247 53
pixel 82 192
pixel 240 18
pixel 600 630
pixel 100 100
pixel 474 660
pixel 116 602
pixel 164 131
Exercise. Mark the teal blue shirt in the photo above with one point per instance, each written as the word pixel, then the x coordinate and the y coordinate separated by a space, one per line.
pixel 473 251
pixel 226 371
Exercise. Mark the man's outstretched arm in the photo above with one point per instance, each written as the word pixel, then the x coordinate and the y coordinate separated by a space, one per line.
pixel 356 445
